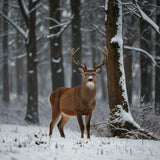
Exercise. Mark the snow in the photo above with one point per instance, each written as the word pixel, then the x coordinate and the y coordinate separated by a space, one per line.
pixel 118 39
pixel 30 54
pixel 32 142
pixel 124 116
pixel 55 44
pixel 148 19
pixel 56 60
pixel 19 29
pixel 144 52
pixel 122 81
pixel 25 9
pixel 30 71
pixel 106 8
pixel 59 70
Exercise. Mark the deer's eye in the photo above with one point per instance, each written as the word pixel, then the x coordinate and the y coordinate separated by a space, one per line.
pixel 93 74
pixel 86 74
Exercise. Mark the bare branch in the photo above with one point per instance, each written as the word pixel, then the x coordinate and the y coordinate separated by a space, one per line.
pixel 65 26
pixel 143 52
pixel 99 29
pixel 35 3
pixel 138 12
pixel 24 11
pixel 20 30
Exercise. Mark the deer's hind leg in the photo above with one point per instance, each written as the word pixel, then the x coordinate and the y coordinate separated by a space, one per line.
pixel 61 124
pixel 55 116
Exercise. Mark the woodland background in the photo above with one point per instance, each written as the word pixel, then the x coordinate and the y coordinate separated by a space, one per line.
pixel 59 27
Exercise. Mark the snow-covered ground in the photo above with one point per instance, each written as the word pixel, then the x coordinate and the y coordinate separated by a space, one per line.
pixel 32 143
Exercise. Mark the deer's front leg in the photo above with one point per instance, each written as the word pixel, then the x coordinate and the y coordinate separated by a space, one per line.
pixel 80 121
pixel 87 120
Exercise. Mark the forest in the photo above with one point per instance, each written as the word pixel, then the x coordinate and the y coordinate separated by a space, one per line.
pixel 36 39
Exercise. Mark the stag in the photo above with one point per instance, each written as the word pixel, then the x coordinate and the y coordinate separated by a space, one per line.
pixel 77 101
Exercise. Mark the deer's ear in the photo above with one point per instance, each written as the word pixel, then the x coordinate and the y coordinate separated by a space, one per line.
pixel 98 70
pixel 81 71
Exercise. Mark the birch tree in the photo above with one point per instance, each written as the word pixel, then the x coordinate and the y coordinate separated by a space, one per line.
pixel 121 121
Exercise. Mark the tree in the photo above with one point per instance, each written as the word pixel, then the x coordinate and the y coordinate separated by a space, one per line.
pixel 157 78
pixel 55 45
pixel 32 86
pixel 121 121
pixel 128 56
pixel 76 39
pixel 136 10
pixel 146 71
pixel 5 56
pixel 19 66
pixel 29 15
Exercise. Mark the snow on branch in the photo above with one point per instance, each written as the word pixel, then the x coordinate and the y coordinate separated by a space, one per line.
pixel 54 20
pixel 98 28
pixel 20 30
pixel 123 117
pixel 24 10
pixel 144 52
pixel 59 25
pixel 65 26
pixel 138 12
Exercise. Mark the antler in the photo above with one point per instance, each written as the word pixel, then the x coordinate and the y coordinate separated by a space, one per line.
pixel 105 58
pixel 73 52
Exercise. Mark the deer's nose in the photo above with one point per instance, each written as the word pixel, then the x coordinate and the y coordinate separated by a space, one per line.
pixel 90 79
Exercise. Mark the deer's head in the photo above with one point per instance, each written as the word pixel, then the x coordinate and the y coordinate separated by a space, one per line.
pixel 90 74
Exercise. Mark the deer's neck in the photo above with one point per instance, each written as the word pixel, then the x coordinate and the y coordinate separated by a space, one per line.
pixel 89 91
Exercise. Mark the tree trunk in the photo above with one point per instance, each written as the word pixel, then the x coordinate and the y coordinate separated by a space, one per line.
pixel 76 39
pixel 145 62
pixel 121 121
pixel 5 56
pixel 57 72
pixel 157 79
pixel 32 105
pixel 19 65
pixel 128 55
pixel 128 71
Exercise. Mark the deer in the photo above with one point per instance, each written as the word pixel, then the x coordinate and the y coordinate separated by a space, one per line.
pixel 77 101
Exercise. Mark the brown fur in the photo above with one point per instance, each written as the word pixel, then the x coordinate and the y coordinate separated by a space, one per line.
pixel 76 101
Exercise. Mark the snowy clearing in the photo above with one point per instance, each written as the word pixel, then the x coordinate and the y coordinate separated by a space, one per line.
pixel 32 142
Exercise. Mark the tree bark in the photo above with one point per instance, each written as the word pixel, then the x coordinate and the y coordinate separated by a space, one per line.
pixel 32 87
pixel 128 71
pixel 5 56
pixel 57 73
pixel 121 121
pixel 157 78
pixel 76 39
